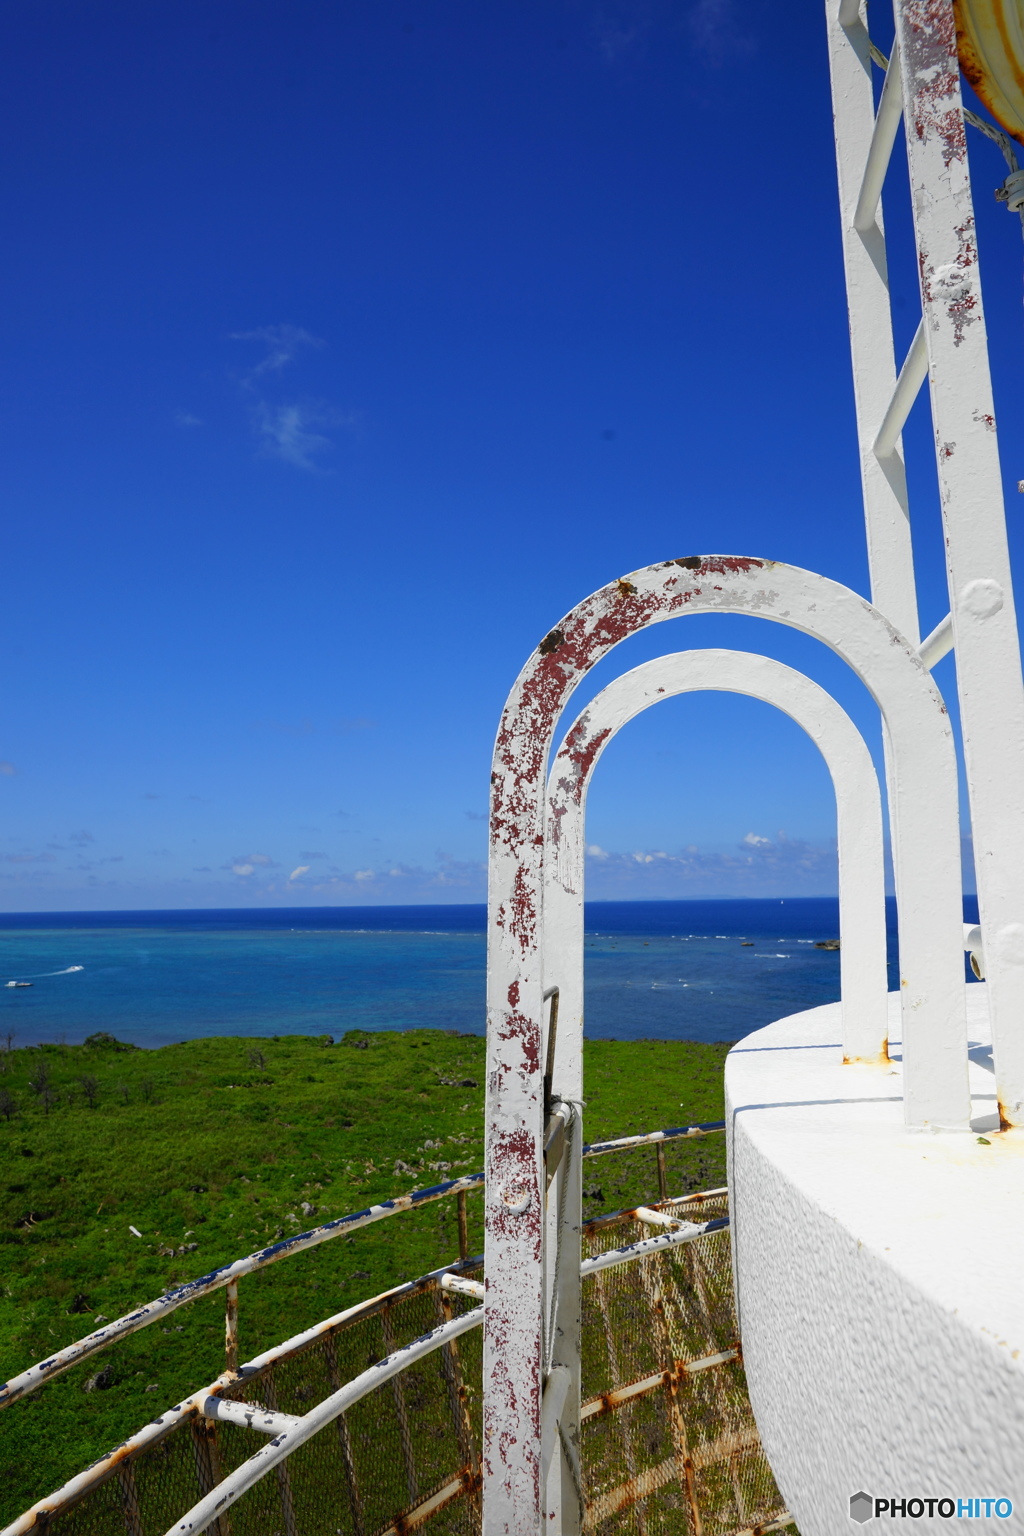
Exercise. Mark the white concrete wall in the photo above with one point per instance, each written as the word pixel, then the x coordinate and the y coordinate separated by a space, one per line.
pixel 879 1276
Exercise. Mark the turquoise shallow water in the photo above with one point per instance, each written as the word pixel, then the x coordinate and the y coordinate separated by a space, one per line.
pixel 657 969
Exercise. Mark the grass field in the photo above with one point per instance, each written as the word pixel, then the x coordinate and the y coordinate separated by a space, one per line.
pixel 211 1149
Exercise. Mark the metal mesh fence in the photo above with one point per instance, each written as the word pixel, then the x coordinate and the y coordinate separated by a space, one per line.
pixel 668 1441
pixel 410 1447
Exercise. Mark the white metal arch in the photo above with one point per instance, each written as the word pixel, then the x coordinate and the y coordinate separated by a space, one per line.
pixel 862 925
pixel 858 824
pixel 931 959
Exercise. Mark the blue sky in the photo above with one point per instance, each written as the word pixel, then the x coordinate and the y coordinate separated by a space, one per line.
pixel 347 346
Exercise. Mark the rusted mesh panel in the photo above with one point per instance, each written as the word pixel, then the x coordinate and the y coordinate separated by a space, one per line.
pixel 102 1513
pixel 687 1449
pixel 147 1494
pixel 389 1453
pixel 662 1513
pixel 620 1446
pixel 652 1463
pixel 736 1492
pixel 395 1450
pixel 459 1518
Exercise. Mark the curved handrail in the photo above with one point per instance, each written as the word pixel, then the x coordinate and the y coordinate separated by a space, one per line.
pixel 292 1435
pixel 200 1402
pixel 43 1371
pixel 209 1401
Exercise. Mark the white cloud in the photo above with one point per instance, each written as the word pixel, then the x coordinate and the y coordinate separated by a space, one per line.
pixel 8 770
pixel 288 431
pixel 303 869
pixel 286 434
pixel 297 430
pixel 756 867
pixel 283 342
pixel 365 874
pixel 246 864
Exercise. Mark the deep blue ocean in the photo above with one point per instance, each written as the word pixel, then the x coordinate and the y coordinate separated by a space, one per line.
pixel 660 969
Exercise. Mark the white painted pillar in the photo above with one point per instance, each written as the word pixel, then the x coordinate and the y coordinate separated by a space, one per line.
pixel 978 567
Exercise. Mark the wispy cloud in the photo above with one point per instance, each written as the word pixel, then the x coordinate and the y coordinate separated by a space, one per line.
pixel 283 344
pixel 246 864
pixel 757 866
pixel 8 770
pixel 715 30
pixel 186 419
pixel 297 431
pixel 290 432
pixel 303 869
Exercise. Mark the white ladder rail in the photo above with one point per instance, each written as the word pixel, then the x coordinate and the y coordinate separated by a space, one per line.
pixel 883 482
pixel 950 348
pixel 981 599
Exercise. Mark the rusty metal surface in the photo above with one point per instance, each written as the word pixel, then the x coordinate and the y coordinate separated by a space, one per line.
pixel 990 44
pixel 661 1366
pixel 668 1439
pixel 406 1299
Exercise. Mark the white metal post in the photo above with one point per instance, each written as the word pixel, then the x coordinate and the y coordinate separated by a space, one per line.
pixel 883 479
pixel 985 636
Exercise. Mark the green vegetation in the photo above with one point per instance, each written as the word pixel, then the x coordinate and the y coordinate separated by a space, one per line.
pixel 213 1148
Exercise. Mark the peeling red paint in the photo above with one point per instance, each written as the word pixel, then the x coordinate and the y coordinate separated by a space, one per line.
pixel 513 1328
pixel 930 62
pixel 582 752
pixel 523 925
